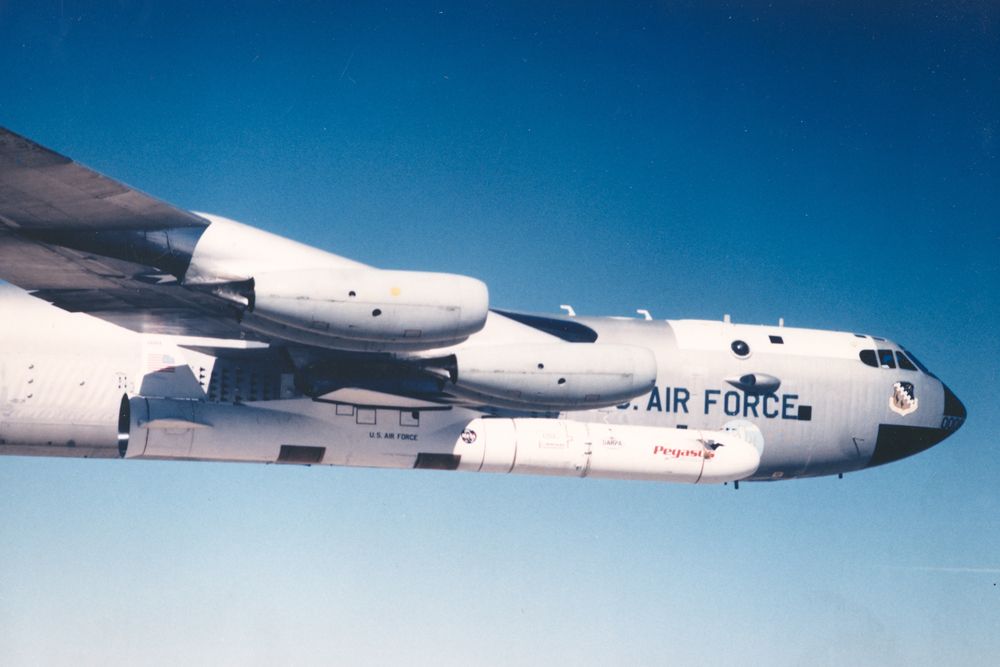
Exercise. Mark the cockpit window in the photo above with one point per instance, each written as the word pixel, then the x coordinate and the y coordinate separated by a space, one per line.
pixel 904 362
pixel 885 359
pixel 919 365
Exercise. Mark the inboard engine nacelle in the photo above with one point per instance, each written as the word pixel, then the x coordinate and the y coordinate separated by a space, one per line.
pixel 554 376
pixel 410 308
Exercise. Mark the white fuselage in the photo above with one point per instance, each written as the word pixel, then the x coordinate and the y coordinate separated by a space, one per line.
pixel 63 376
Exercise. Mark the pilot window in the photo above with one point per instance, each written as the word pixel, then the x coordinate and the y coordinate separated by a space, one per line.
pixel 885 359
pixel 904 362
pixel 918 364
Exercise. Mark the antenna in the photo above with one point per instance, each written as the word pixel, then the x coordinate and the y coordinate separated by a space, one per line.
pixel 645 314
pixel 569 309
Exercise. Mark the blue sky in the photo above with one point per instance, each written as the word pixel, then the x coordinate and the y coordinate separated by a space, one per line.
pixel 835 166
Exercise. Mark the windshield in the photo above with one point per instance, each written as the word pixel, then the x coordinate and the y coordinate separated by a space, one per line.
pixel 914 359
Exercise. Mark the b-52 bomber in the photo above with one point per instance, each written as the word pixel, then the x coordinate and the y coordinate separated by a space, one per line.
pixel 134 329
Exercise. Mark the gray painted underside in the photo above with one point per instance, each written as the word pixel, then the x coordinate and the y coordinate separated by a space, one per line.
pixel 56 219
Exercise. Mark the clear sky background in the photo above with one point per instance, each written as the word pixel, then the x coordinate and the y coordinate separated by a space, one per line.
pixel 835 166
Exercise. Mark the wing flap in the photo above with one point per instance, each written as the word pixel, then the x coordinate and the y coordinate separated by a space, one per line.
pixel 34 266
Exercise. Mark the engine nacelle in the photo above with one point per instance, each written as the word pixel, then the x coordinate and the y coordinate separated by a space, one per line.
pixel 555 376
pixel 411 308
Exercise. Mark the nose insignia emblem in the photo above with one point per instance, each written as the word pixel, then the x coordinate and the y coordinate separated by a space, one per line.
pixel 903 401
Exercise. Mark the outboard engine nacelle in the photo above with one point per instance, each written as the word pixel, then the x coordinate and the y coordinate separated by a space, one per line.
pixel 410 308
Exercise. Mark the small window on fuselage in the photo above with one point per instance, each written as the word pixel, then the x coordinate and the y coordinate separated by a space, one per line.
pixel 904 362
pixel 868 358
pixel 885 359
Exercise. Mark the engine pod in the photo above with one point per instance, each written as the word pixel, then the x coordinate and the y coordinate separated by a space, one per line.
pixel 555 376
pixel 374 305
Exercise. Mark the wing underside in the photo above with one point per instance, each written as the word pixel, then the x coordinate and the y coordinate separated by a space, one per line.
pixel 85 242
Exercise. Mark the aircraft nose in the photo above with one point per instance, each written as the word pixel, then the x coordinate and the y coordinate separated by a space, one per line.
pixel 953 408
pixel 897 441
pixel 954 412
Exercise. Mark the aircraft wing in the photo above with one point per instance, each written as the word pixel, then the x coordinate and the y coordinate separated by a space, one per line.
pixel 56 219
pixel 87 243
pixel 40 189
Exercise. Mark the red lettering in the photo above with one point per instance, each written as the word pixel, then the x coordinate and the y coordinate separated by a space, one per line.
pixel 681 453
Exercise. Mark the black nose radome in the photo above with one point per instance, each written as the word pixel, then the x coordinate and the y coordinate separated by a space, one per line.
pixel 953 407
pixel 896 441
